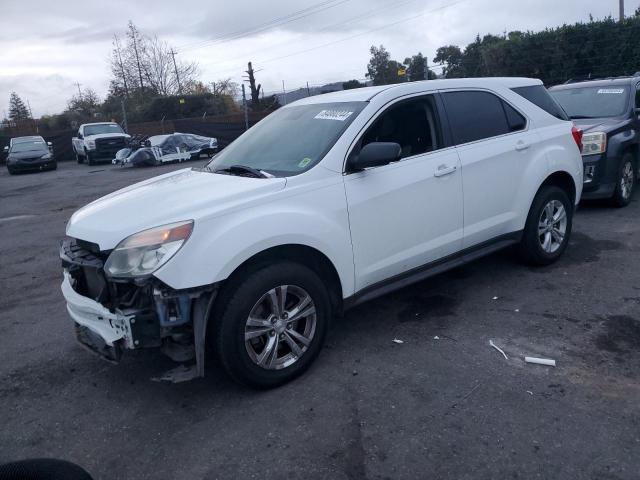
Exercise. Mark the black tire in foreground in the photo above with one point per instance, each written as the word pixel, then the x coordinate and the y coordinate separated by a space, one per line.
pixel 270 323
pixel 79 158
pixel 625 182
pixel 548 228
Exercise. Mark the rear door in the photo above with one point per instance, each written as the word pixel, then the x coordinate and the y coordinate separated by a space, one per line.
pixel 495 144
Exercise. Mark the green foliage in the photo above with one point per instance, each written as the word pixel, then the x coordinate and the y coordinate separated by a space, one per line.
pixel 350 84
pixel 381 69
pixel 416 66
pixel 595 49
pixel 17 109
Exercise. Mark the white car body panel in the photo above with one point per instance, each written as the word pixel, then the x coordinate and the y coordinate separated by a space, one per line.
pixel 371 225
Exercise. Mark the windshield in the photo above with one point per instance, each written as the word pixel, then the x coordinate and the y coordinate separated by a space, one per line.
pixel 593 102
pixel 102 128
pixel 290 140
pixel 37 145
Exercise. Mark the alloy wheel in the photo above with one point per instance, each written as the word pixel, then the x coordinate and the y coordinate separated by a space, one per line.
pixel 552 226
pixel 280 327
pixel 626 180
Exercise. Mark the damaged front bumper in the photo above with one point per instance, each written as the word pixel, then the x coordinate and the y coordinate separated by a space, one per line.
pixel 97 328
pixel 112 316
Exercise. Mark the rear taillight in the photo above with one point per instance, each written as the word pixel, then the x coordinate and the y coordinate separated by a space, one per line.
pixel 577 136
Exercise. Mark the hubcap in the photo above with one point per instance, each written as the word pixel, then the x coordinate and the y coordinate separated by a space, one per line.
pixel 552 226
pixel 280 327
pixel 626 181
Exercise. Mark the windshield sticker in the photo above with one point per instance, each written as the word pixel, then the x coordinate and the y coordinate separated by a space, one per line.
pixel 304 162
pixel 340 115
pixel 611 90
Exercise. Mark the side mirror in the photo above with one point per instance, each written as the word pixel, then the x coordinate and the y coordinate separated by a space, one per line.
pixel 376 154
pixel 50 144
pixel 5 149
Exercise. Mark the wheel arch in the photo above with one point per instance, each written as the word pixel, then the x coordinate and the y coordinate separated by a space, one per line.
pixel 563 180
pixel 298 253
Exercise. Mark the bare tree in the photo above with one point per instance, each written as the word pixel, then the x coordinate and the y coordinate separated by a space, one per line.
pixel 117 66
pixel 225 86
pixel 160 72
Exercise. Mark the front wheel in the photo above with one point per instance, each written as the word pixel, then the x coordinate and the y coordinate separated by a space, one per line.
pixel 79 158
pixel 548 228
pixel 625 183
pixel 271 325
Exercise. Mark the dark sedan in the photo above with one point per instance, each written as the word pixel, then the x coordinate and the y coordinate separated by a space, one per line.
pixel 30 155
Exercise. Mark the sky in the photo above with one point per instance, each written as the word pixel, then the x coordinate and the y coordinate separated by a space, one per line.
pixel 47 47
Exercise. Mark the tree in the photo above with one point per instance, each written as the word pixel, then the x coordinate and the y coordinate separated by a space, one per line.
pixel 450 57
pixel 416 67
pixel 17 109
pixel 163 76
pixel 352 84
pixel 381 69
pixel 225 86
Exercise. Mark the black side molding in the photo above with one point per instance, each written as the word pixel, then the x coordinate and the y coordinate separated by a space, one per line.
pixel 432 268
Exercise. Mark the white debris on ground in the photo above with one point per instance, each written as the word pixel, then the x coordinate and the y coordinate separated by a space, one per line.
pixel 436 337
pixel 540 361
pixel 397 340
pixel 494 298
pixel 498 349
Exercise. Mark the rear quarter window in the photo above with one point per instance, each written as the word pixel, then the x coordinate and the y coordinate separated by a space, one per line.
pixel 539 96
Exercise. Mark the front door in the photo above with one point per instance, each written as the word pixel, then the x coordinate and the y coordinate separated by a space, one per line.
pixel 408 213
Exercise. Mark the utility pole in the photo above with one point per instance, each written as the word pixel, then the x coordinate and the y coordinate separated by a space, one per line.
pixel 308 92
pixel 124 117
pixel 175 66
pixel 29 106
pixel 79 92
pixel 621 10
pixel 244 106
pixel 284 97
pixel 124 77
pixel 255 90
pixel 426 68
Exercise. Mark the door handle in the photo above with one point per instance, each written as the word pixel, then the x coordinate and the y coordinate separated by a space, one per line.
pixel 520 146
pixel 443 170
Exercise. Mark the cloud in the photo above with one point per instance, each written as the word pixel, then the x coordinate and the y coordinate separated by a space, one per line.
pixel 48 46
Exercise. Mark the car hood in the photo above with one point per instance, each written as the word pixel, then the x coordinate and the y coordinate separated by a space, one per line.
pixel 187 194
pixel 599 124
pixel 106 135
pixel 29 154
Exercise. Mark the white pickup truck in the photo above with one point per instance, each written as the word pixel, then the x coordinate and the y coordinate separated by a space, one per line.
pixel 98 141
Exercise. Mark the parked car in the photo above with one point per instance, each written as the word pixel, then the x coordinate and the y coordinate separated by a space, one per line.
pixel 326 203
pixel 607 112
pixel 159 149
pixel 26 139
pixel 98 142
pixel 29 154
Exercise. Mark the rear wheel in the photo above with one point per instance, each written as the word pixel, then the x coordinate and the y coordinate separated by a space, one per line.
pixel 625 183
pixel 271 324
pixel 548 228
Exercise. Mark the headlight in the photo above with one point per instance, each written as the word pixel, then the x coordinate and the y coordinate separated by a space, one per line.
pixel 91 144
pixel 594 143
pixel 144 252
pixel 46 156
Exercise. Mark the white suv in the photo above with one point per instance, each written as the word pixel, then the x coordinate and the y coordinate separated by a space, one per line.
pixel 328 202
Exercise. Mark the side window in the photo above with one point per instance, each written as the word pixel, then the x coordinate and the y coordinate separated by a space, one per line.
pixel 475 115
pixel 539 96
pixel 514 119
pixel 412 124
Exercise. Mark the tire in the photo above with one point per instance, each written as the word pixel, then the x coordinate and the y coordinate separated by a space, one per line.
pixel 248 361
pixel 625 182
pixel 11 171
pixel 538 248
pixel 90 160
pixel 79 158
pixel 54 166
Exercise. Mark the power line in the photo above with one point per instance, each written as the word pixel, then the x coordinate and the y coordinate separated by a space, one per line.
pixel 350 37
pixel 292 17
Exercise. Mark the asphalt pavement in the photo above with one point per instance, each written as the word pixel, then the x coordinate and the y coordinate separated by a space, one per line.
pixel 443 404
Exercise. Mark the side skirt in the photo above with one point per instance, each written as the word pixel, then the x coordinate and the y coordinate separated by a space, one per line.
pixel 433 268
